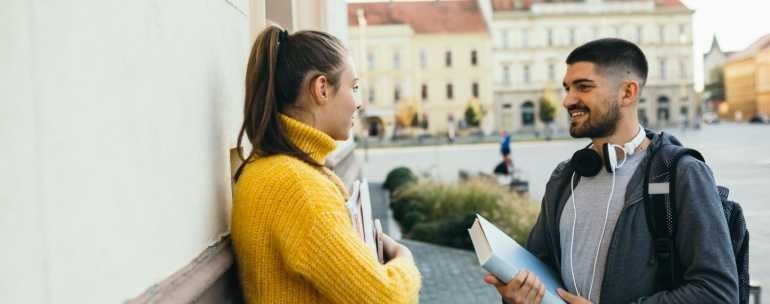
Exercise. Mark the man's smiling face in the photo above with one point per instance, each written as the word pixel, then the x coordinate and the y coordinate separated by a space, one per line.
pixel 590 101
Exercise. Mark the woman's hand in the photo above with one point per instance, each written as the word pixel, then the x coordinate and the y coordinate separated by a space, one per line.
pixel 393 249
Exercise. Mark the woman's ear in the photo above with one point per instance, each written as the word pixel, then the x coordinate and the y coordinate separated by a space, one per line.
pixel 319 89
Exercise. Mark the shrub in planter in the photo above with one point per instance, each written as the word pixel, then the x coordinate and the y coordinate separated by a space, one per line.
pixel 399 177
pixel 441 213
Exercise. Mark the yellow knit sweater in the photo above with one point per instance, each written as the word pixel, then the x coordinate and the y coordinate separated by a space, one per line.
pixel 293 238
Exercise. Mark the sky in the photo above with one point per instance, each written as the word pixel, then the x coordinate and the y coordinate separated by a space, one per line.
pixel 736 24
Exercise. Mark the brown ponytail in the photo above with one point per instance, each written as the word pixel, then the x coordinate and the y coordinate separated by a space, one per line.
pixel 278 67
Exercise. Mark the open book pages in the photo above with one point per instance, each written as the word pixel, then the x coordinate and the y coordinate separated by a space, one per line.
pixel 359 207
pixel 504 258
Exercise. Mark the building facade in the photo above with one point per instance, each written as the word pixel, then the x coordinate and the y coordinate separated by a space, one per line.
pixel 531 40
pixel 428 60
pixel 747 82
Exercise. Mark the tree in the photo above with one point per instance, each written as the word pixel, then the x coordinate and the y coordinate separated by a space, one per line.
pixel 547 110
pixel 473 113
pixel 471 118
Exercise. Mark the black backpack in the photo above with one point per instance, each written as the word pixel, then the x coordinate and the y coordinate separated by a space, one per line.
pixel 660 209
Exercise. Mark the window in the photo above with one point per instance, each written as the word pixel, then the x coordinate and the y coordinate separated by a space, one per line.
pixel 506 74
pixel 370 60
pixel 595 31
pixel 663 113
pixel 551 72
pixel 683 68
pixel 371 93
pixel 550 37
pixel 528 114
pixel 642 100
pixel 682 33
pixel 423 59
pixel 572 36
pixel 449 93
pixel 396 60
pixel 475 89
pixel 448 58
pixel 662 33
pixel 474 58
pixel 397 93
pixel 424 92
pixel 639 33
pixel 525 75
pixel 504 38
pixel 662 67
pixel 524 38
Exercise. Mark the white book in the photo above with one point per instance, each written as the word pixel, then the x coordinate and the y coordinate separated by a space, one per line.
pixel 359 207
pixel 504 258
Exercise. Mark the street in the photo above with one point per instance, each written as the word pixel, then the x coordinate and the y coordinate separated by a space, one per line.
pixel 739 155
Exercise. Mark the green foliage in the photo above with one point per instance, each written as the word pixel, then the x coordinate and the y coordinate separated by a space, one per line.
pixel 471 117
pixel 415 121
pixel 399 177
pixel 547 111
pixel 441 213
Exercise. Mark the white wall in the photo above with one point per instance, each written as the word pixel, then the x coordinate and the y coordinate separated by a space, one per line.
pixel 115 120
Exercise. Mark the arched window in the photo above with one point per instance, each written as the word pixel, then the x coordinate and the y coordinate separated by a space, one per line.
pixel 528 114
pixel 663 109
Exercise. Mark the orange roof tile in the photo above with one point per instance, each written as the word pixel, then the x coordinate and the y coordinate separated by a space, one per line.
pixel 424 17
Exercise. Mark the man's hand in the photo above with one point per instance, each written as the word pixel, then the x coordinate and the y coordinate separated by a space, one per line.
pixel 571 298
pixel 525 288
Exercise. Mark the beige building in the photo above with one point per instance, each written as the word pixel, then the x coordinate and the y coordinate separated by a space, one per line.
pixel 533 38
pixel 431 57
pixel 747 82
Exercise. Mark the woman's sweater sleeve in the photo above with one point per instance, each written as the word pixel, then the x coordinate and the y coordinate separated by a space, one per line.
pixel 330 255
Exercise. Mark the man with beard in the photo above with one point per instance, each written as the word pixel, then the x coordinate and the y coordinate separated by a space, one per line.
pixel 592 228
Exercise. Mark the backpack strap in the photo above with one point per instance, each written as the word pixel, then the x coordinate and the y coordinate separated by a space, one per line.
pixel 660 207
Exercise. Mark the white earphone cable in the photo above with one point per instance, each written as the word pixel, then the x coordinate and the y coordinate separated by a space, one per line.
pixel 601 238
pixel 572 238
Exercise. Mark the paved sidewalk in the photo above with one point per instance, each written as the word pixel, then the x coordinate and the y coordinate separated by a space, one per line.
pixel 448 275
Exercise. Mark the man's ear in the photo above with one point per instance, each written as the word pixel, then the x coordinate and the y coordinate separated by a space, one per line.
pixel 319 89
pixel 629 92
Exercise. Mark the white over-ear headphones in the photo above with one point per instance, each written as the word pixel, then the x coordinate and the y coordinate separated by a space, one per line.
pixel 628 149
pixel 611 164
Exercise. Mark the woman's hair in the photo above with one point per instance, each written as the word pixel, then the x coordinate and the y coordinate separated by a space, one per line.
pixel 280 67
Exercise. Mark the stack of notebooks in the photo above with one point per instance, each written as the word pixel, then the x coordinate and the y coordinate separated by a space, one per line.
pixel 360 210
pixel 504 258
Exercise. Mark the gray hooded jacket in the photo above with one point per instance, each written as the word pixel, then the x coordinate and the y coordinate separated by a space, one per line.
pixel 702 243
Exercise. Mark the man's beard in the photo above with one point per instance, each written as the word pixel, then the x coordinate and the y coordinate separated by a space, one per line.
pixel 596 126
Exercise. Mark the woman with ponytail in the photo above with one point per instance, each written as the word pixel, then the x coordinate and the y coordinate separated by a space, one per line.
pixel 292 235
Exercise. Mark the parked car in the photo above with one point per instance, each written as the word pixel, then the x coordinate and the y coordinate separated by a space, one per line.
pixel 760 119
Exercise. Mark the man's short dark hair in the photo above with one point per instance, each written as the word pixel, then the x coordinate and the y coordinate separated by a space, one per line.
pixel 612 54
